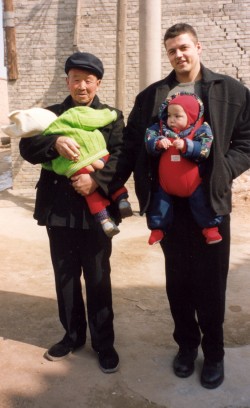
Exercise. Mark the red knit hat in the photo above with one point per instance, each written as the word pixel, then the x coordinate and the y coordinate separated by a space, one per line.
pixel 190 105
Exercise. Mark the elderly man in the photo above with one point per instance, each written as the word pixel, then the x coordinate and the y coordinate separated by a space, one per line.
pixel 78 244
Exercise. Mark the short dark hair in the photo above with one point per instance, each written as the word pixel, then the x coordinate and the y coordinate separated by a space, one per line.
pixel 178 29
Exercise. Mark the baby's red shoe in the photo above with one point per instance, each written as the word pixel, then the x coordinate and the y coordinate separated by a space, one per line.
pixel 212 235
pixel 155 237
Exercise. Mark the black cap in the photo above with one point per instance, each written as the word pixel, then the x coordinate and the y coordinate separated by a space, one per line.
pixel 85 60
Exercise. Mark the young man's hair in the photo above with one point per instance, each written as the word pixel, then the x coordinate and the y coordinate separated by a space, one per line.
pixel 178 29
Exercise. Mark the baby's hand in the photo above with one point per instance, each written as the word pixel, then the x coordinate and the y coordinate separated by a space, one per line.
pixel 179 144
pixel 164 143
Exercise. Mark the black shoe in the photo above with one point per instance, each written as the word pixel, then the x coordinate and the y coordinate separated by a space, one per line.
pixel 108 360
pixel 184 362
pixel 212 374
pixel 60 351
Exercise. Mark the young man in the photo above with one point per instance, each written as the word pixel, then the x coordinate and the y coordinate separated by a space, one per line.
pixel 196 273
pixel 78 244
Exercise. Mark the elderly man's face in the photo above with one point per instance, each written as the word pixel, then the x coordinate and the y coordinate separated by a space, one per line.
pixel 82 85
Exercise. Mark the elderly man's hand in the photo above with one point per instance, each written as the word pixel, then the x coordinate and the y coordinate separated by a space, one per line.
pixel 84 184
pixel 67 148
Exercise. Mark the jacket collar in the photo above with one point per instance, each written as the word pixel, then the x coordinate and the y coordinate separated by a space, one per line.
pixel 210 76
pixel 160 96
pixel 95 103
pixel 163 88
pixel 162 91
pixel 207 76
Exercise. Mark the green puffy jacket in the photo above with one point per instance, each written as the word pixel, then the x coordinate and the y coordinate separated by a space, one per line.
pixel 81 123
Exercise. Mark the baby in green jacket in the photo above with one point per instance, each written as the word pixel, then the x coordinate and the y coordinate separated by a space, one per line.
pixel 82 123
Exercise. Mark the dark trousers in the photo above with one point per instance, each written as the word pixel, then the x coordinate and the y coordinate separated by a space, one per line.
pixel 75 252
pixel 196 276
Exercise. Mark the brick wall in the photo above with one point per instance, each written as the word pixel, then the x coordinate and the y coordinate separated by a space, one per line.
pixel 45 34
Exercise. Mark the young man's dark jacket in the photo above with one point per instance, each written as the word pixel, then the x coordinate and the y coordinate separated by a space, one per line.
pixel 57 203
pixel 227 110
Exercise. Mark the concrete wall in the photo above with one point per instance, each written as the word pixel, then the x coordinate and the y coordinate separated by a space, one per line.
pixel 46 35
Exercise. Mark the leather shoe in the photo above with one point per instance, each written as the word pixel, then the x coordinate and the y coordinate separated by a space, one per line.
pixel 212 374
pixel 184 362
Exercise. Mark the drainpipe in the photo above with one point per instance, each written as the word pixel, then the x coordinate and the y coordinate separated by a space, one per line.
pixel 10 38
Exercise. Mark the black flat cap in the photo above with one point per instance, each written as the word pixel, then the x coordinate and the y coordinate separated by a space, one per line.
pixel 85 60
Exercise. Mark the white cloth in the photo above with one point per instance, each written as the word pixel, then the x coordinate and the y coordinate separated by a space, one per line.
pixel 28 122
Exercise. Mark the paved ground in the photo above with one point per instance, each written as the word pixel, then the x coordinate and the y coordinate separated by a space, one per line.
pixel 143 325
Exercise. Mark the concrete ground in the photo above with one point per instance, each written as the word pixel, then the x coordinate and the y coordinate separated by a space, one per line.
pixel 143 325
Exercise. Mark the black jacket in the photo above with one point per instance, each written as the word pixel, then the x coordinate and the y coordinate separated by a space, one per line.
pixel 227 110
pixel 57 203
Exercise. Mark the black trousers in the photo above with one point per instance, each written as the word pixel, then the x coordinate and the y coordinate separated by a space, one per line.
pixel 77 252
pixel 196 277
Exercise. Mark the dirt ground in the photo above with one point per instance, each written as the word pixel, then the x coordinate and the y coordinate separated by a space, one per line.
pixel 143 325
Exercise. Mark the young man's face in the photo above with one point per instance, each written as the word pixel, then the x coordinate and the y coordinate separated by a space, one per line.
pixel 82 85
pixel 184 53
